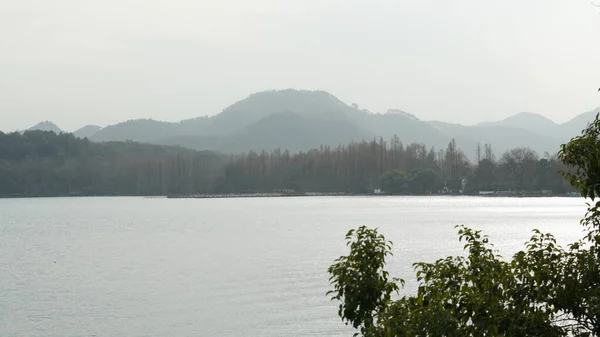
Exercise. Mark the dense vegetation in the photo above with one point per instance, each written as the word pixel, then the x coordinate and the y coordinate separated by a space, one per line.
pixel 42 163
pixel 544 290
pixel 393 167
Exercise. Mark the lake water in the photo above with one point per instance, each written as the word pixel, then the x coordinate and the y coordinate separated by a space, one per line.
pixel 224 267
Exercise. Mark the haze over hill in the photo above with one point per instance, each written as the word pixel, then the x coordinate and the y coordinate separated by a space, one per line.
pixel 87 131
pixel 46 126
pixel 301 119
pixel 178 59
pixel 525 120
pixel 290 119
pixel 83 132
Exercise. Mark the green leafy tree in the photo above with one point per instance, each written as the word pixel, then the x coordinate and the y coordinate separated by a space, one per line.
pixel 395 182
pixel 412 182
pixel 425 182
pixel 580 274
pixel 359 279
pixel 475 295
pixel 544 290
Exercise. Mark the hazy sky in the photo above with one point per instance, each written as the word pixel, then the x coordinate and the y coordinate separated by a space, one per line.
pixel 100 62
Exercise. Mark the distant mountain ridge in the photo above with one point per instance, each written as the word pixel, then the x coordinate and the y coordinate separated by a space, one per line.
pixel 87 131
pixel 300 119
pixel 46 126
pixel 501 137
pixel 526 120
pixel 544 126
pixel 574 126
pixel 291 119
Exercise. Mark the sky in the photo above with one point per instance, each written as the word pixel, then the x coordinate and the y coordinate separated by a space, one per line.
pixel 79 62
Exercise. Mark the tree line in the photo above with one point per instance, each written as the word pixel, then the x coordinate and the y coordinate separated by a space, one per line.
pixel 42 163
pixel 395 168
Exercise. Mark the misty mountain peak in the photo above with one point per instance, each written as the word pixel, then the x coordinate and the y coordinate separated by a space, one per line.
pixel 529 121
pixel 87 131
pixel 275 101
pixel 303 119
pixel 46 126
pixel 260 105
pixel 402 113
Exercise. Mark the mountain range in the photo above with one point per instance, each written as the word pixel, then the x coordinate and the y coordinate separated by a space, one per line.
pixel 86 131
pixel 300 120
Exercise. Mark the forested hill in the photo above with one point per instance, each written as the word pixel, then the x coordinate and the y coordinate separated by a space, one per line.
pixel 42 163
pixel 299 120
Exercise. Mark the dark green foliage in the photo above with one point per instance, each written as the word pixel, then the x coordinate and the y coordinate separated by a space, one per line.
pixel 353 168
pixel 581 263
pixel 583 153
pixel 359 279
pixel 484 175
pixel 425 182
pixel 39 163
pixel 393 167
pixel 413 182
pixel 395 182
pixel 544 290
pixel 42 163
pixel 479 294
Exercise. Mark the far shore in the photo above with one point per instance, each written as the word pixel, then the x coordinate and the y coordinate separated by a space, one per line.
pixel 307 194
pixel 318 194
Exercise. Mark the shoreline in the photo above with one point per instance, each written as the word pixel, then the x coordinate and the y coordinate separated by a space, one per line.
pixel 287 195
pixel 316 194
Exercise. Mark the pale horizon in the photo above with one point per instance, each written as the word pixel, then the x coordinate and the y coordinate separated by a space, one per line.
pixel 360 107
pixel 102 63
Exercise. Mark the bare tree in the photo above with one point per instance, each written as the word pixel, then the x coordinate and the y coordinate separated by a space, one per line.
pixel 489 154
pixel 520 164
